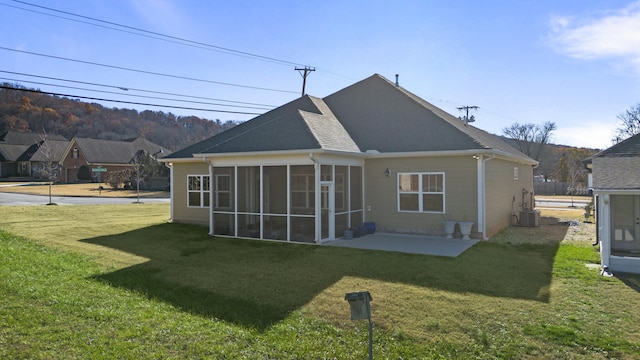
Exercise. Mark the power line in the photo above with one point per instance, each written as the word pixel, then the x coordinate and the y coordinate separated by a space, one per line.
pixel 182 40
pixel 127 102
pixel 171 39
pixel 126 88
pixel 147 72
pixel 134 95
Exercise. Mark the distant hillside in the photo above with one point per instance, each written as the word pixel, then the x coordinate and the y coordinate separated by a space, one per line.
pixel 550 156
pixel 26 111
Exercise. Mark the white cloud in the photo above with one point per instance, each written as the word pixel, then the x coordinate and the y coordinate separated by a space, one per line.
pixel 613 35
pixel 595 135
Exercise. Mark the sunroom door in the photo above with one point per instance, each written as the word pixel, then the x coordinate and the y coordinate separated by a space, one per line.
pixel 625 221
pixel 327 212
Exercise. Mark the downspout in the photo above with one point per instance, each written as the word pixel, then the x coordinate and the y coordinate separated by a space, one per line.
pixel 482 188
pixel 605 241
pixel 211 183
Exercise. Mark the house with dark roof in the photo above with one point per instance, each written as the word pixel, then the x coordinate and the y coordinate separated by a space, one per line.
pixel 25 154
pixel 616 186
pixel 371 154
pixel 110 155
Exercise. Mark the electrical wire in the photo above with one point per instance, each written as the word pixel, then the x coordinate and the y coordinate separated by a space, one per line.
pixel 147 72
pixel 127 102
pixel 163 36
pixel 126 88
pixel 132 95
pixel 169 38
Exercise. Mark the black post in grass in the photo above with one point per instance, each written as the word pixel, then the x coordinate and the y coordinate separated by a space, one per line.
pixel 361 310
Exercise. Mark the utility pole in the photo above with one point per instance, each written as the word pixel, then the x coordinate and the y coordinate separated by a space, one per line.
pixel 466 118
pixel 304 72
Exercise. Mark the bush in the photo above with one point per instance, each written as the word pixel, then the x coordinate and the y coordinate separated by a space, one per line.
pixel 117 179
pixel 84 173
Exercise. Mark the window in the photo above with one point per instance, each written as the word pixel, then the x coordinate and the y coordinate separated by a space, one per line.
pixel 421 192
pixel 302 191
pixel 223 192
pixel 198 191
pixel 74 155
pixel 515 173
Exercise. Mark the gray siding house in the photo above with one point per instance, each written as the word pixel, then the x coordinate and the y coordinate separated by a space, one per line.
pixel 370 153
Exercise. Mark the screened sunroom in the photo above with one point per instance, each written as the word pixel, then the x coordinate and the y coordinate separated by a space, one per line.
pixel 300 203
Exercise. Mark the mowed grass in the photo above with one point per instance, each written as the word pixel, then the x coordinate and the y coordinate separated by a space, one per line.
pixel 119 281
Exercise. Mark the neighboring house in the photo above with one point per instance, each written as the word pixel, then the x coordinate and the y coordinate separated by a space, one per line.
pixel 372 152
pixel 25 154
pixel 616 185
pixel 110 155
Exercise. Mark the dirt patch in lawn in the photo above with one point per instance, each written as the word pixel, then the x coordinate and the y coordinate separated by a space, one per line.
pixel 556 226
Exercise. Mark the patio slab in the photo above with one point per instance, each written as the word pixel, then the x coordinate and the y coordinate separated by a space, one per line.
pixel 412 244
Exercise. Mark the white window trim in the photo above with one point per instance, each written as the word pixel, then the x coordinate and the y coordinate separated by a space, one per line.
pixel 515 173
pixel 203 193
pixel 420 192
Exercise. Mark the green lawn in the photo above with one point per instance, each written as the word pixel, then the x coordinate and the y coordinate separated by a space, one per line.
pixel 119 282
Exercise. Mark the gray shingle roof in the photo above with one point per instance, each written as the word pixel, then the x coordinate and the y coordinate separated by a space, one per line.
pixel 303 124
pixel 112 151
pixel 50 150
pixel 20 138
pixel 618 167
pixel 372 114
pixel 10 152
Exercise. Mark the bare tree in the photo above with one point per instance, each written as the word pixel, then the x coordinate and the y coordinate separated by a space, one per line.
pixel 49 162
pixel 531 139
pixel 570 169
pixel 630 124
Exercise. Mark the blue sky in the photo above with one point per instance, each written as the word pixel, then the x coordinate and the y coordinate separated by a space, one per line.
pixel 574 62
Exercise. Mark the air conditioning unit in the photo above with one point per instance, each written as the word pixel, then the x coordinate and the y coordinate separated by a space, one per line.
pixel 530 218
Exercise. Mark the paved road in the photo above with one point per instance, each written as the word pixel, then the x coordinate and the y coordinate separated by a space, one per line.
pixel 22 200
pixel 556 203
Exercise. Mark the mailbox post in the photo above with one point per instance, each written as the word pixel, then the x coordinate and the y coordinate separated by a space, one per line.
pixel 361 310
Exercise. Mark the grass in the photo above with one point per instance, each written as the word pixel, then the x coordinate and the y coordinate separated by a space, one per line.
pixel 120 282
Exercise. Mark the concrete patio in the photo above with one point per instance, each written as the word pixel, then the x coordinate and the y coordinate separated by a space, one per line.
pixel 413 244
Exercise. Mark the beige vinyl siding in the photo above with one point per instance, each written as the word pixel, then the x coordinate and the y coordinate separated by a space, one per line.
pixel 501 189
pixel 381 193
pixel 182 213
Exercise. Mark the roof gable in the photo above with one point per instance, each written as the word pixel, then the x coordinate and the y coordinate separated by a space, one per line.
pixel 303 124
pixel 382 116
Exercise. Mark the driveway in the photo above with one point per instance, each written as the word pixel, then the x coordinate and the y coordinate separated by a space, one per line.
pixel 22 200
pixel 412 244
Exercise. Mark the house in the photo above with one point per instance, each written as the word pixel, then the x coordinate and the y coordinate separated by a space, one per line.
pixel 84 155
pixel 25 154
pixel 371 153
pixel 616 186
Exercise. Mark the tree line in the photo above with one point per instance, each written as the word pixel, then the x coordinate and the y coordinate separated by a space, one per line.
pixel 29 111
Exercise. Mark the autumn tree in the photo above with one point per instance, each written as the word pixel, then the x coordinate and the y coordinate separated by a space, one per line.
pixel 630 124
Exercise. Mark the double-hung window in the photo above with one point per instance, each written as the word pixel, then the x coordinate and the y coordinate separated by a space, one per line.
pixel 421 192
pixel 198 190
